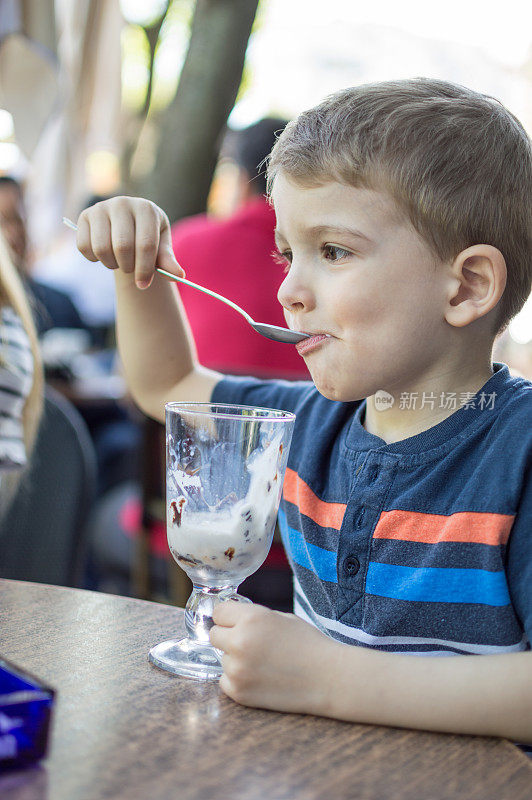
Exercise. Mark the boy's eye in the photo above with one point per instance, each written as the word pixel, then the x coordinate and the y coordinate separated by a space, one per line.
pixel 334 253
pixel 284 259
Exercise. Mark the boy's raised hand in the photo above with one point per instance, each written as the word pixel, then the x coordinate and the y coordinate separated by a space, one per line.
pixel 130 234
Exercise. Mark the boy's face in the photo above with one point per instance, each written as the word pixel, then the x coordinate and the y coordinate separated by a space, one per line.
pixel 360 273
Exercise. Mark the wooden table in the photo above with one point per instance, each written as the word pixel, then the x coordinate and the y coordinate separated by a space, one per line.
pixel 124 729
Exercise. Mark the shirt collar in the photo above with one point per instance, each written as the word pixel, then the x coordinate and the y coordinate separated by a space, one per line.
pixel 487 400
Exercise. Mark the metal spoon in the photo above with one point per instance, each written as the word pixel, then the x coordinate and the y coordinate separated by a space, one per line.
pixel 274 332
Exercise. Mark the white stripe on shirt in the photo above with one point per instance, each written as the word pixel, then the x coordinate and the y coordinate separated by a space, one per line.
pixel 328 626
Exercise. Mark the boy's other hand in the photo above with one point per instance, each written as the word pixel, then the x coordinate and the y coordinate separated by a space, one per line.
pixel 273 660
pixel 129 234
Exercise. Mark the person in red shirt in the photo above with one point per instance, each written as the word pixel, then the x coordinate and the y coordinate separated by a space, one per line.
pixel 234 256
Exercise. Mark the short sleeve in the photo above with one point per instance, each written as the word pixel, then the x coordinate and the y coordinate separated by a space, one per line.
pixel 519 557
pixel 278 394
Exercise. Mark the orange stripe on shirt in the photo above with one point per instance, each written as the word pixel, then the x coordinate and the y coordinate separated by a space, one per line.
pixel 295 490
pixel 464 526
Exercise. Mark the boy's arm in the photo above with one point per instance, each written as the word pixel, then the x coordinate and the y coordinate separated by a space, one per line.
pixel 279 662
pixel 482 695
pixel 156 346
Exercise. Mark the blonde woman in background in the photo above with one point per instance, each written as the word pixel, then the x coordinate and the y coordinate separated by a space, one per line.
pixel 21 380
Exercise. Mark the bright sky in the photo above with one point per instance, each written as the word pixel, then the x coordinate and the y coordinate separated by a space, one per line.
pixel 504 30
pixel 305 49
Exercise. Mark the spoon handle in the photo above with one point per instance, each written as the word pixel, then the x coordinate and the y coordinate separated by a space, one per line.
pixel 70 224
pixel 207 291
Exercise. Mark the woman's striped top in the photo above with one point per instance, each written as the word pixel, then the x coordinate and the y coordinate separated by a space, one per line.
pixel 16 378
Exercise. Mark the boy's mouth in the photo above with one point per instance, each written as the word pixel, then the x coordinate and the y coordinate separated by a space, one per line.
pixel 309 344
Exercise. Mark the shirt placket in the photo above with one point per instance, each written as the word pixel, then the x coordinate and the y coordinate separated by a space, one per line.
pixel 374 474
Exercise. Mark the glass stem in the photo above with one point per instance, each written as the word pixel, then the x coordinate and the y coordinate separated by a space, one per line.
pixel 200 607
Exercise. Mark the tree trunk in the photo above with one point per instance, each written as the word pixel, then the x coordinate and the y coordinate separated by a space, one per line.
pixel 135 122
pixel 191 128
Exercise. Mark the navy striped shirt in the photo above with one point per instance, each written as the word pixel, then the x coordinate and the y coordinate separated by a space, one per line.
pixel 421 546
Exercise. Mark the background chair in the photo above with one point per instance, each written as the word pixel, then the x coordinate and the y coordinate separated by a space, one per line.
pixel 43 535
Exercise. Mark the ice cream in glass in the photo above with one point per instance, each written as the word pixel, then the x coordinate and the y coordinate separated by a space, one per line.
pixel 225 466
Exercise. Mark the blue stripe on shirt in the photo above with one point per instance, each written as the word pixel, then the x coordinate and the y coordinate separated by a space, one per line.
pixel 321 562
pixel 437 585
pixel 426 584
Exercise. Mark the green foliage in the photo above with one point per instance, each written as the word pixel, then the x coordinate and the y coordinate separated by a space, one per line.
pixel 153 52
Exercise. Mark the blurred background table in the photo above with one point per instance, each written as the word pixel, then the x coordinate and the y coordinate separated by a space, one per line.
pixel 124 729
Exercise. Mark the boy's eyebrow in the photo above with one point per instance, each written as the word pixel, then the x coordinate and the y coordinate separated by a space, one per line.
pixel 318 230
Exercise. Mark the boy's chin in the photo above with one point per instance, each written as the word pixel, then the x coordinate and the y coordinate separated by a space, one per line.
pixel 333 391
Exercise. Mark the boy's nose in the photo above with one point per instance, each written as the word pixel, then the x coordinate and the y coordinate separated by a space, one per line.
pixel 295 295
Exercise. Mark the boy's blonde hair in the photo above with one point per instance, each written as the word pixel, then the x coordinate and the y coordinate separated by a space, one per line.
pixel 12 294
pixel 457 163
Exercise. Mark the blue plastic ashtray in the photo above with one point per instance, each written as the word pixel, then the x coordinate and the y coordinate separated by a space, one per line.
pixel 25 714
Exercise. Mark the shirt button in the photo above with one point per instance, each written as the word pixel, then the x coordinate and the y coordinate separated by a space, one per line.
pixel 351 565
pixel 359 519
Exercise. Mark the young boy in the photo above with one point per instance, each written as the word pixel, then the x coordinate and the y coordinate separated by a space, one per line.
pixel 404 224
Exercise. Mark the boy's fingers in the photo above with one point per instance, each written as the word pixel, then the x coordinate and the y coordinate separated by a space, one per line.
pixel 102 241
pixel 146 246
pixel 83 239
pixel 95 230
pixel 133 239
pixel 220 637
pixel 229 612
pixel 165 257
pixel 123 238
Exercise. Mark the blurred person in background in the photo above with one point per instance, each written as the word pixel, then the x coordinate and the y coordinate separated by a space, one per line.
pixel 20 378
pixel 91 288
pixel 115 434
pixel 51 307
pixel 233 256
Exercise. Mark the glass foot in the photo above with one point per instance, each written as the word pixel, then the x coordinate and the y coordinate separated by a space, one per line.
pixel 194 656
pixel 188 658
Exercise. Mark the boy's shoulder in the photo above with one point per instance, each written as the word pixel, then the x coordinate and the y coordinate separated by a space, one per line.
pixel 508 435
pixel 300 397
pixel 516 408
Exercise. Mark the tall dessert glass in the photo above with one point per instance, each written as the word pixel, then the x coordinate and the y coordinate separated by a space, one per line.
pixel 225 467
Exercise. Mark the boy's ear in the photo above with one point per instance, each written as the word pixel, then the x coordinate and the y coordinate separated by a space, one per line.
pixel 478 282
